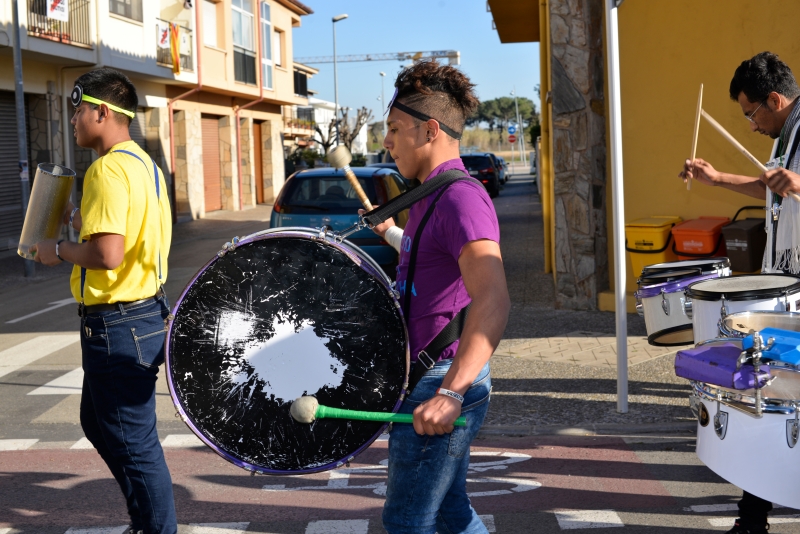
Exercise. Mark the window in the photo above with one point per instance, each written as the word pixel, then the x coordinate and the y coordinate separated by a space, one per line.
pixel 266 46
pixel 300 83
pixel 131 9
pixel 278 48
pixel 209 23
pixel 244 57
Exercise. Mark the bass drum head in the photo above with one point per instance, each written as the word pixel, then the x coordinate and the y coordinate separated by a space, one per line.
pixel 745 287
pixel 741 323
pixel 673 337
pixel 282 316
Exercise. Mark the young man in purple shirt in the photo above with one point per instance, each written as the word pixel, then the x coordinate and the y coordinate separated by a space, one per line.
pixel 458 261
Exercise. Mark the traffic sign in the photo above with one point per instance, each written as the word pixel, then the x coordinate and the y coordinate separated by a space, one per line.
pixel 512 138
pixel 512 129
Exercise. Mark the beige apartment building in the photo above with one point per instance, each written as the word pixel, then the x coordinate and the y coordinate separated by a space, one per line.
pixel 230 101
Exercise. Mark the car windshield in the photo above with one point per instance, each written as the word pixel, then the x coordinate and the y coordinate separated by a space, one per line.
pixel 477 162
pixel 325 194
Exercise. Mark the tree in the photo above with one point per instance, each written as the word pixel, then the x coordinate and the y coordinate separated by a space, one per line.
pixel 347 131
pixel 326 141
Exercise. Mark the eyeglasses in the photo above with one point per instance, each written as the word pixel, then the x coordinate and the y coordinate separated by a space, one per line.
pixel 750 117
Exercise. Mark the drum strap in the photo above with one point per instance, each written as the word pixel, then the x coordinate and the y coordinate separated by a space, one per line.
pixel 428 356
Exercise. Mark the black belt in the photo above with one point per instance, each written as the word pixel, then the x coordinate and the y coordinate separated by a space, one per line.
pixel 84 310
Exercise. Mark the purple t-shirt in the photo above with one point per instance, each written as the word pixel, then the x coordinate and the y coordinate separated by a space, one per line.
pixel 464 213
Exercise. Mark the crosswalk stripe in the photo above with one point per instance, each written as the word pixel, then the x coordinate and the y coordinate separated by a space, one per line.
pixel 182 441
pixel 217 528
pixel 98 530
pixel 83 443
pixel 16 444
pixel 488 522
pixel 578 519
pixel 68 384
pixel 29 351
pixel 344 526
pixel 5 530
pixel 733 507
pixel 773 520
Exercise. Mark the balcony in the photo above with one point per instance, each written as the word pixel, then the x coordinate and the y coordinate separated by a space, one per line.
pixel 185 46
pixel 300 123
pixel 74 31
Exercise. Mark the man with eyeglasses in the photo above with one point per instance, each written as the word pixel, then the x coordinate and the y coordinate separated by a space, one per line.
pixel 767 91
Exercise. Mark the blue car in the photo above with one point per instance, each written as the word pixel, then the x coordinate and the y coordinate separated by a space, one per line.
pixel 323 197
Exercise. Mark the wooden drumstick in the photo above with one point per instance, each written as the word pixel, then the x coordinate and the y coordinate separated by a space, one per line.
pixel 340 158
pixel 696 131
pixel 717 126
pixel 306 409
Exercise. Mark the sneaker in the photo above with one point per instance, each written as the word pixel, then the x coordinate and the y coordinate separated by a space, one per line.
pixel 739 528
pixel 131 530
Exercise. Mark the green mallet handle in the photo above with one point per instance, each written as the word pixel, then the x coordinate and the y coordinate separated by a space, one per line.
pixel 326 412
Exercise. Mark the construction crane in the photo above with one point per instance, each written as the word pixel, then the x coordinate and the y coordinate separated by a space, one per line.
pixel 453 57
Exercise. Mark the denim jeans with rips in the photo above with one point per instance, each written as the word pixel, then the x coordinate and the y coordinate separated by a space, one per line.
pixel 121 354
pixel 427 487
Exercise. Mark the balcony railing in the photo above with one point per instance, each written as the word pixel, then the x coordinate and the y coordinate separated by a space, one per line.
pixel 75 31
pixel 185 47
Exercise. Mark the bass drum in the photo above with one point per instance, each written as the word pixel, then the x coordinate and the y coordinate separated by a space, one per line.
pixel 281 314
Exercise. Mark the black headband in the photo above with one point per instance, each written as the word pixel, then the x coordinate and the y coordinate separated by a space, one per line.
pixel 421 116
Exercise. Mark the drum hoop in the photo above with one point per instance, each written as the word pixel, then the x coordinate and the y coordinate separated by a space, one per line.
pixel 674 286
pixel 739 401
pixel 745 294
pixel 711 264
pixel 651 339
pixel 738 333
pixel 294 232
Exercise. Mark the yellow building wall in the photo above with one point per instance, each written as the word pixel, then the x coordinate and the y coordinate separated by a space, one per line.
pixel 667 49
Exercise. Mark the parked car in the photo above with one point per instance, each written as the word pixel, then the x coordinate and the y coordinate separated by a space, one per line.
pixel 323 197
pixel 501 169
pixel 481 166
pixel 393 166
pixel 504 165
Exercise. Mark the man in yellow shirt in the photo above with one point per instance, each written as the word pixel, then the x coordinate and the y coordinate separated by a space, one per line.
pixel 125 229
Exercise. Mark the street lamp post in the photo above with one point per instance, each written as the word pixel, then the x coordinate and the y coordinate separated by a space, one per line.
pixel 336 19
pixel 522 130
pixel 383 103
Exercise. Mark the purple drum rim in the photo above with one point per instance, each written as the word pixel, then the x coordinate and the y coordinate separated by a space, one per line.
pixel 672 287
pixel 295 232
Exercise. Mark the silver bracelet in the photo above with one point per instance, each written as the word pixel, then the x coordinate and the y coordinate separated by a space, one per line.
pixel 72 217
pixel 451 394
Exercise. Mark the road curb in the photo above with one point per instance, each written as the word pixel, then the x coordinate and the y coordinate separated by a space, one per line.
pixel 600 429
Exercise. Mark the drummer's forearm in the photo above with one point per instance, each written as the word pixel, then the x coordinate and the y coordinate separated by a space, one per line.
pixel 746 185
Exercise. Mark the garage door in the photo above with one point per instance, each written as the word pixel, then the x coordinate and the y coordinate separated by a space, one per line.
pixel 211 166
pixel 10 195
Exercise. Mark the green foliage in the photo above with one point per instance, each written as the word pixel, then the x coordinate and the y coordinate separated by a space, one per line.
pixel 359 160
pixel 309 157
pixel 500 112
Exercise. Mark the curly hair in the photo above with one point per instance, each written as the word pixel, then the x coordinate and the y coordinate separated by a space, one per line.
pixel 761 75
pixel 439 91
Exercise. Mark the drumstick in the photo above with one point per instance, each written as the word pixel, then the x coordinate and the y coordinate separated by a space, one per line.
pixel 306 409
pixel 696 131
pixel 340 158
pixel 741 149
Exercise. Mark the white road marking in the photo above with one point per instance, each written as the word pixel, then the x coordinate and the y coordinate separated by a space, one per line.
pixel 217 528
pixel 83 443
pixel 182 441
pixel 5 530
pixel 577 519
pixel 700 508
pixel 519 485
pixel 488 522
pixel 347 526
pixel 29 351
pixel 56 304
pixel 773 520
pixel 68 384
pixel 16 444
pixel 98 530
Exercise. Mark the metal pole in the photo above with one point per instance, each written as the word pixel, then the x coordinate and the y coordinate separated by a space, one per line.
pixel 615 130
pixel 522 129
pixel 335 87
pixel 24 183
pixel 383 102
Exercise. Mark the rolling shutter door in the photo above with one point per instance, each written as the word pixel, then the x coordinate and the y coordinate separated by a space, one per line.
pixel 211 167
pixel 137 129
pixel 11 216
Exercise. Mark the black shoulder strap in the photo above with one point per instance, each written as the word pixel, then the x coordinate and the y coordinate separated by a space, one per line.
pixel 412 196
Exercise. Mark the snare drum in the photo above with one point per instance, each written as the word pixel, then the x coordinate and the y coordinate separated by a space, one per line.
pixel 281 314
pixel 708 301
pixel 721 266
pixel 660 301
pixel 740 324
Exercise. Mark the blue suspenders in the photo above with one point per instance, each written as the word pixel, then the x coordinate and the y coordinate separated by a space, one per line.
pixel 158 196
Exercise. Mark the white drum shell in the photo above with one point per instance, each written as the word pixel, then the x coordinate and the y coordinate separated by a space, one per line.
pixel 656 320
pixel 731 458
pixel 706 314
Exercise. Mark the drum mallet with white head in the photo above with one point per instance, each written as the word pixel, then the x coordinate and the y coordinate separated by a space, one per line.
pixel 306 409
pixel 340 158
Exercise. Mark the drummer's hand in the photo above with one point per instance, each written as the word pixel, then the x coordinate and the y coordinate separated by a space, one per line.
pixel 381 228
pixel 781 181
pixel 44 252
pixel 700 170
pixel 436 415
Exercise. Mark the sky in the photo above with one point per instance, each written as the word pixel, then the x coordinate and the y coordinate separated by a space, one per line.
pixel 374 27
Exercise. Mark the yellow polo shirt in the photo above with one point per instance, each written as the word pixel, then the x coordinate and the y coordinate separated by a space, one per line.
pixel 119 197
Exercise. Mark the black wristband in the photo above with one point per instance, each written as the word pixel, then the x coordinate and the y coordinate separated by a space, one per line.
pixel 57 254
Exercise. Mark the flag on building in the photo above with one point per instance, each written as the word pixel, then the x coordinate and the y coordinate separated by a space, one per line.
pixel 58 10
pixel 174 45
pixel 163 34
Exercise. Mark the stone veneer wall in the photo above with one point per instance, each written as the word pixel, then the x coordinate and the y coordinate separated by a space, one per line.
pixel 228 168
pixel 248 156
pixel 273 160
pixel 189 192
pixel 579 152
pixel 44 129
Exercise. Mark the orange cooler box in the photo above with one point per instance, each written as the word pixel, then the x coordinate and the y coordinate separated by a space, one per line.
pixel 699 238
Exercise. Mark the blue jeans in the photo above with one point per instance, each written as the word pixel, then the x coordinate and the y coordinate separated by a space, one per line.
pixel 121 354
pixel 427 487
